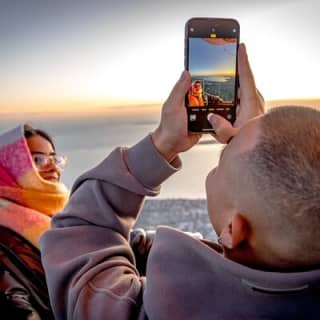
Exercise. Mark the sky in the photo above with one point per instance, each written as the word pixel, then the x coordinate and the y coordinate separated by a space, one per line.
pixel 209 59
pixel 80 55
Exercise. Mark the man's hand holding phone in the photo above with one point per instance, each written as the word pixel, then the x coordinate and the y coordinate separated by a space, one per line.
pixel 251 102
pixel 172 136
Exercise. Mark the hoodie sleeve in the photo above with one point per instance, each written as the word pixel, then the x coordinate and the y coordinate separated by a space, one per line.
pixel 89 264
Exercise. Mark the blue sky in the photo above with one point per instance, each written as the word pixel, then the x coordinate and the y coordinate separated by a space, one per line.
pixel 205 57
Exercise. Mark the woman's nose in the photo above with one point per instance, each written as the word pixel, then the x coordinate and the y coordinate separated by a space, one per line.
pixel 51 165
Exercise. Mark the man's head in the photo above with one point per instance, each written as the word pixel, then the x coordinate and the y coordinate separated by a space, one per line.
pixel 263 198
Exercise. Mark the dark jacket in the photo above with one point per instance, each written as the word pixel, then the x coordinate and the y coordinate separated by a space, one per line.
pixel 23 291
pixel 92 272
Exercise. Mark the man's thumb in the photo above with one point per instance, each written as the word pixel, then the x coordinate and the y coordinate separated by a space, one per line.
pixel 223 128
pixel 215 120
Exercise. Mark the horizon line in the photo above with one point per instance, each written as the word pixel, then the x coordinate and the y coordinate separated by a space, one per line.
pixel 133 107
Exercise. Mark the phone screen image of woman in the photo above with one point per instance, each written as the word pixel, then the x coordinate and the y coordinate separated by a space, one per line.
pixel 212 65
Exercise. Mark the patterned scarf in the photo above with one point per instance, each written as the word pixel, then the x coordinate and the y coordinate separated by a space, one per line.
pixel 27 201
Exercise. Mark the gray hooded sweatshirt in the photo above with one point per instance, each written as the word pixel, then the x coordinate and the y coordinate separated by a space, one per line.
pixel 91 270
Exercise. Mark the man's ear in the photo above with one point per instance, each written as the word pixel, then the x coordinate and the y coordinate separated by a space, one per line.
pixel 235 232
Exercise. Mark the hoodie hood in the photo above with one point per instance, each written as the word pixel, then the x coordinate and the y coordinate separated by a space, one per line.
pixel 187 279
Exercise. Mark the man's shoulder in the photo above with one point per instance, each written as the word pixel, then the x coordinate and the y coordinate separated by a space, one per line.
pixel 185 269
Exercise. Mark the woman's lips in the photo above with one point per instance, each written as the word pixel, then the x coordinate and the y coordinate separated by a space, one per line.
pixel 54 179
pixel 51 177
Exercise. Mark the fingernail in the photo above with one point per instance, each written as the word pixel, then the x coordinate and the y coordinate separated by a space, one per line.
pixel 213 119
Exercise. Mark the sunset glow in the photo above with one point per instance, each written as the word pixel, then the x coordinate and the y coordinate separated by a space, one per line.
pixel 62 59
pixel 225 73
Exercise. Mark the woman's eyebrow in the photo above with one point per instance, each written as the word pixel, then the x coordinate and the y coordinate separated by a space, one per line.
pixel 40 152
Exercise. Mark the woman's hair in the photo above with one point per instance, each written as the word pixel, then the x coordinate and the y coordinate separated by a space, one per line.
pixel 29 131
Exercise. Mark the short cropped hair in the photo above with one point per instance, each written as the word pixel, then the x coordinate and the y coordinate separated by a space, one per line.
pixel 284 170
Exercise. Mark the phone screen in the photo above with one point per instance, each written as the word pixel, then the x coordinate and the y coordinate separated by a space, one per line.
pixel 211 58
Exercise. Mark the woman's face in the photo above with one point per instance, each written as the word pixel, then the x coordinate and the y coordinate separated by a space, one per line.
pixel 43 157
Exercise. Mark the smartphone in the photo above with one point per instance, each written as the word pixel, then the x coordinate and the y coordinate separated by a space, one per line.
pixel 211 57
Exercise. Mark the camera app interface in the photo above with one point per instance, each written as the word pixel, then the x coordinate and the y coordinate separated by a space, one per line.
pixel 212 65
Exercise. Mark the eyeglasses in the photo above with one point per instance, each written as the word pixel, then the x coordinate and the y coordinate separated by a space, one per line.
pixel 41 160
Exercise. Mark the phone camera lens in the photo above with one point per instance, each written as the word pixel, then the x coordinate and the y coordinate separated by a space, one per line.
pixel 191 29
pixel 234 30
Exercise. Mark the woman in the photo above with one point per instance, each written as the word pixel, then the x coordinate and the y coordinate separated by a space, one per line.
pixel 195 96
pixel 30 194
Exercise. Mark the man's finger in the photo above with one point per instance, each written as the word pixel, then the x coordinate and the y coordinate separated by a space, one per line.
pixel 246 79
pixel 262 101
pixel 223 128
pixel 181 88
